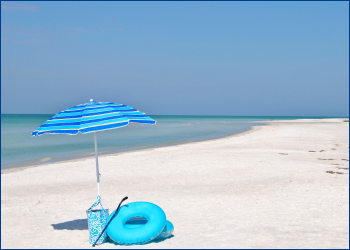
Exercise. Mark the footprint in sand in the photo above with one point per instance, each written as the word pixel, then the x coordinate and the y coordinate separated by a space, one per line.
pixel 312 151
pixel 343 168
pixel 283 153
pixel 344 159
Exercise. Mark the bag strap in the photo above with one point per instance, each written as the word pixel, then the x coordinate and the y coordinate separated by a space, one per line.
pixel 96 203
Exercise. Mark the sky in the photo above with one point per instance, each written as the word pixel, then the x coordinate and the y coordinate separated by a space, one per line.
pixel 177 58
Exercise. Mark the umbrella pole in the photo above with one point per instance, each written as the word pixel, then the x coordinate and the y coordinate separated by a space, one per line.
pixel 97 167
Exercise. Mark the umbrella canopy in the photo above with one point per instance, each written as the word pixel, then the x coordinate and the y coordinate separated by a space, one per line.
pixel 92 117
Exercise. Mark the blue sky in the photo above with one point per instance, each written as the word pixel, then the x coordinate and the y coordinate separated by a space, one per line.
pixel 191 58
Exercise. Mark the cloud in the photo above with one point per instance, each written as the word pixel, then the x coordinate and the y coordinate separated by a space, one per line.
pixel 18 7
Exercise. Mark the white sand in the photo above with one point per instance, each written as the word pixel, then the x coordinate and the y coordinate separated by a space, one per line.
pixel 259 189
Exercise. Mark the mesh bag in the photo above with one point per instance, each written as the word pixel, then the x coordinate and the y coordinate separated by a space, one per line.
pixel 97 220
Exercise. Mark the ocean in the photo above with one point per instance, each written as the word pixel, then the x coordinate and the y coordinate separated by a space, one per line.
pixel 19 148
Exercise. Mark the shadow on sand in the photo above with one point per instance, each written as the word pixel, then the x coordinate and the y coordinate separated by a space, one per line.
pixel 82 224
pixel 160 239
pixel 157 240
pixel 79 224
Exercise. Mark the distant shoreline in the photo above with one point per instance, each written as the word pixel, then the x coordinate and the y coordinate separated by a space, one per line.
pixel 75 158
pixel 25 165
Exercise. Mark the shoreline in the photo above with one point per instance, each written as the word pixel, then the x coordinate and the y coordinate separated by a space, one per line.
pixel 101 154
pixel 76 158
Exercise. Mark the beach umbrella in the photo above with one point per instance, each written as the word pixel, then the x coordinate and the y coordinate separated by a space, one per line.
pixel 92 117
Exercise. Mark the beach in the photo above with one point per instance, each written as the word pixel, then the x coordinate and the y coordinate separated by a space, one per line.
pixel 280 185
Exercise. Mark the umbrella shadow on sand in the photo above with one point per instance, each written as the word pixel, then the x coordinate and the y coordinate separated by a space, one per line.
pixel 79 224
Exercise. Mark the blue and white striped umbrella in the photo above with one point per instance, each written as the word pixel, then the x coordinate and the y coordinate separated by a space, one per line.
pixel 92 117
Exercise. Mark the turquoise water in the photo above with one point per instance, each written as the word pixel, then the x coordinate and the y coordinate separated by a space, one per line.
pixel 19 148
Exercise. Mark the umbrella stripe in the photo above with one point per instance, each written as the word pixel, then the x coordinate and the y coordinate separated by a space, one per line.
pixel 87 130
pixel 92 114
pixel 92 108
pixel 76 127
pixel 81 128
pixel 87 118
pixel 103 127
pixel 75 131
pixel 83 125
pixel 71 132
pixel 91 121
pixel 94 103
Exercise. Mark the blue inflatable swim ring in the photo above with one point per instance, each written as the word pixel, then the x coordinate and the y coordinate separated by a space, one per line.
pixel 136 223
